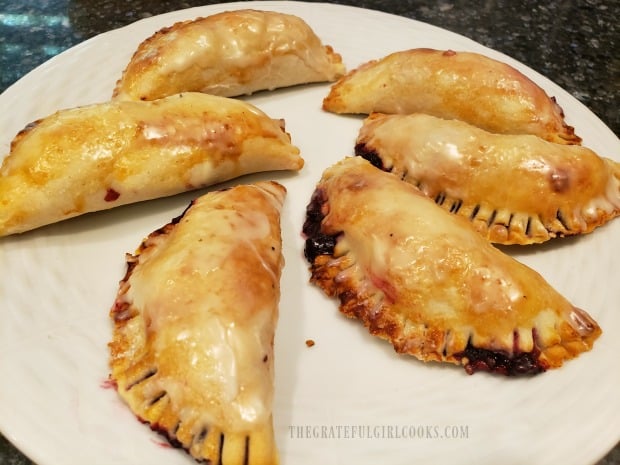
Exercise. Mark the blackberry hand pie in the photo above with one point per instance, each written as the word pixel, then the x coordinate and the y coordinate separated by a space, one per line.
pixel 228 54
pixel 100 156
pixel 427 282
pixel 555 190
pixel 456 85
pixel 194 323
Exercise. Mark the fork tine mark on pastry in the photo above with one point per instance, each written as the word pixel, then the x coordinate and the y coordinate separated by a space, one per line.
pixel 194 322
pixel 104 155
pixel 228 54
pixel 427 282
pixel 455 85
pixel 559 190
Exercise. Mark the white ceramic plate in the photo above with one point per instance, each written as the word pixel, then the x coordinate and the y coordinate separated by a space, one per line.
pixel 348 399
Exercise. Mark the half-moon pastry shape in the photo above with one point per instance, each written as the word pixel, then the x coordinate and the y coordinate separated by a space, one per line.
pixel 454 85
pixel 426 281
pixel 194 323
pixel 103 155
pixel 228 54
pixel 515 189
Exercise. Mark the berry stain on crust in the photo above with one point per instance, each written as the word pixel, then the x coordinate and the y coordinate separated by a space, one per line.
pixel 111 195
pixel 108 384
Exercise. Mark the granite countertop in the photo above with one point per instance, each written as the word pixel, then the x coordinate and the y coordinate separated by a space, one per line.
pixel 572 42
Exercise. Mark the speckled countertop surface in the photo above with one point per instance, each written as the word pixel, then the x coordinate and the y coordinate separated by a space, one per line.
pixel 572 42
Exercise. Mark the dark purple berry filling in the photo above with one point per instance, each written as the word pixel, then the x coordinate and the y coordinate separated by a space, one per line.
pixel 524 363
pixel 370 155
pixel 317 243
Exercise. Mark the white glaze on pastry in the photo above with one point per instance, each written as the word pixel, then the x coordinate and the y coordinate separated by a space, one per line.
pixel 194 324
pixel 104 155
pixel 426 281
pixel 516 189
pixel 228 54
pixel 455 85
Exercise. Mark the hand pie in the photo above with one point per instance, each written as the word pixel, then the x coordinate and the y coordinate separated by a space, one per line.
pixel 104 155
pixel 558 190
pixel 228 54
pixel 194 324
pixel 426 281
pixel 453 85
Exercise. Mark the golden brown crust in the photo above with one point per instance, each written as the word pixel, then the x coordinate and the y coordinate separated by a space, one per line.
pixel 557 190
pixel 428 283
pixel 104 155
pixel 228 54
pixel 194 322
pixel 455 85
